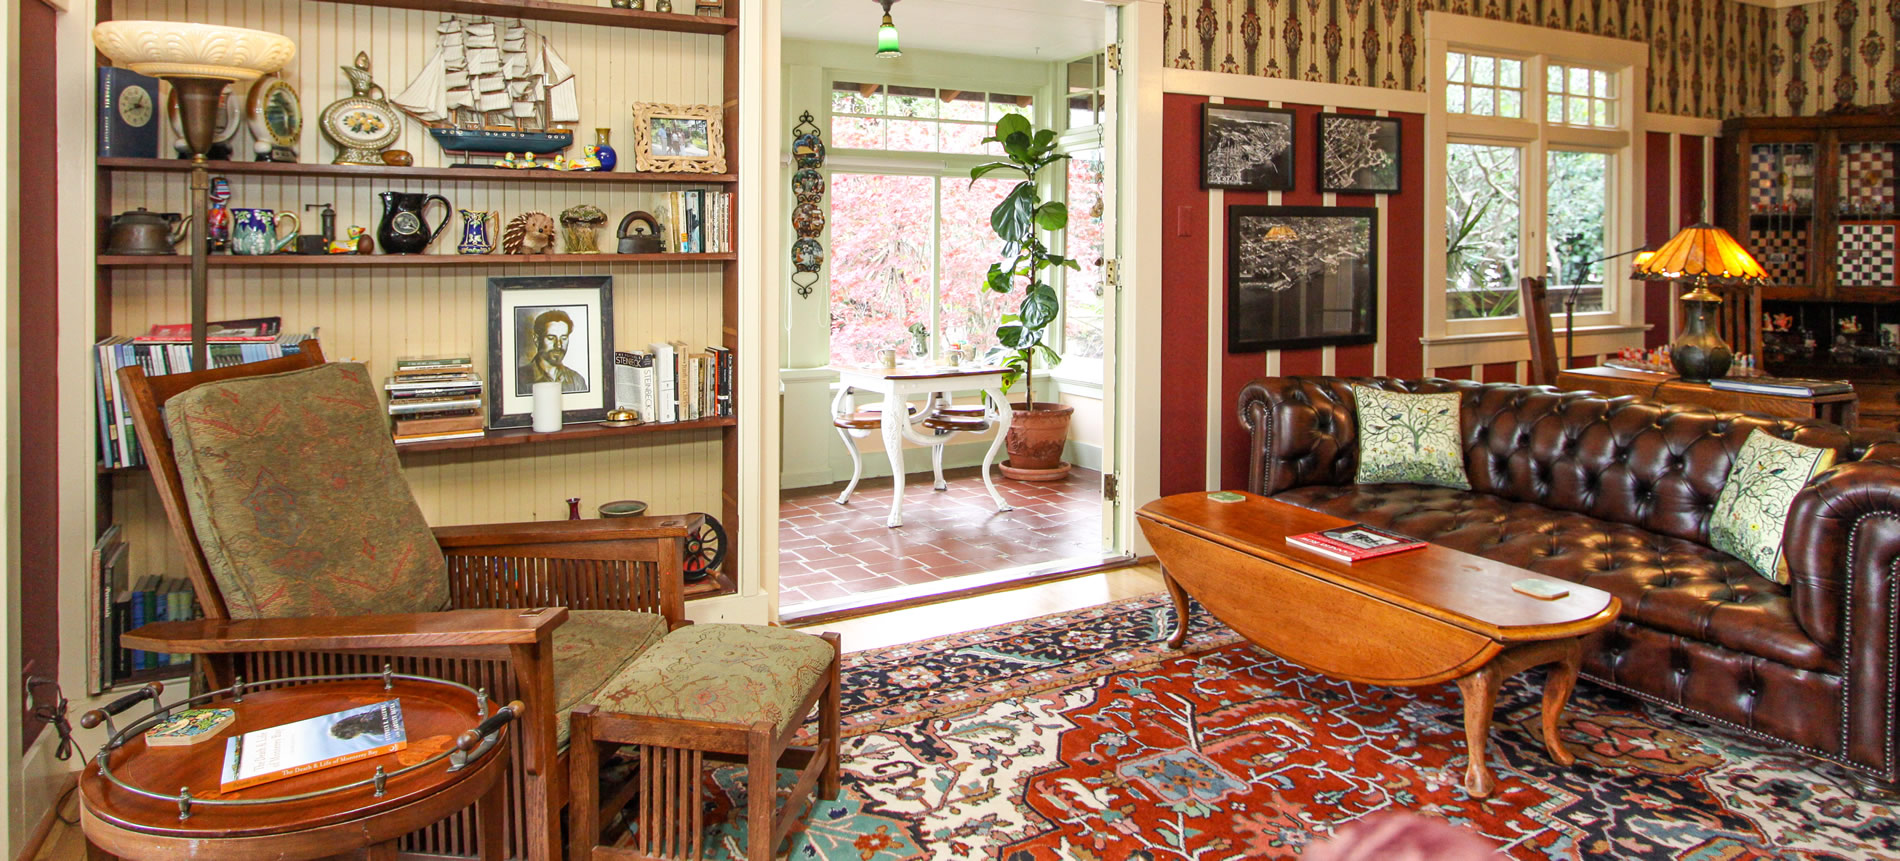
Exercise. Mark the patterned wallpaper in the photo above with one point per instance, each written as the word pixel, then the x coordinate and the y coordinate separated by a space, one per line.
pixel 1708 58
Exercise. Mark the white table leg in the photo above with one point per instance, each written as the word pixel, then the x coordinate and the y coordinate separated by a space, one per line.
pixel 893 425
pixel 1000 406
pixel 845 404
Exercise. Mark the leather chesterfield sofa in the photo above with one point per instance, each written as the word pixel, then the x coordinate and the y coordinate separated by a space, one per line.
pixel 1616 493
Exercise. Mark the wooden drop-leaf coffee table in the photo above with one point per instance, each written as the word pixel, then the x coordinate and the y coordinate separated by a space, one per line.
pixel 1414 618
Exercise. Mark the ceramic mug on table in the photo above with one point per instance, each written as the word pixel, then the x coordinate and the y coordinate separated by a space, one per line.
pixel 256 231
pixel 887 358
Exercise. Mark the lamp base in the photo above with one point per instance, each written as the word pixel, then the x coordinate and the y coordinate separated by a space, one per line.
pixel 1699 354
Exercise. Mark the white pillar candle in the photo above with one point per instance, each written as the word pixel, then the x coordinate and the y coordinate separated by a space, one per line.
pixel 547 407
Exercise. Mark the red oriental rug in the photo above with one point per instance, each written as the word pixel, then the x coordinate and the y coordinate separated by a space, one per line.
pixel 1080 736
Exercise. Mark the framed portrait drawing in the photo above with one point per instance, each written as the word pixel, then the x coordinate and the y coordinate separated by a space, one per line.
pixel 1358 154
pixel 1246 148
pixel 554 328
pixel 679 138
pixel 1301 276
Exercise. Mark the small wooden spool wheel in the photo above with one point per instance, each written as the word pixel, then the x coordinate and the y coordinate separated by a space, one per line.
pixel 705 549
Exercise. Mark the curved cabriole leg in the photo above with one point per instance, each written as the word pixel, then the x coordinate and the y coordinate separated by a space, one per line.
pixel 857 466
pixel 1561 680
pixel 1481 697
pixel 936 464
pixel 1180 597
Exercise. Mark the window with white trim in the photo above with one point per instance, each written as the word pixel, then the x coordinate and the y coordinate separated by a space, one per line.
pixel 920 119
pixel 1533 153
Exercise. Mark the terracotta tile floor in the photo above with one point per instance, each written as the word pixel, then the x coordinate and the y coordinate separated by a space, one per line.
pixel 829 551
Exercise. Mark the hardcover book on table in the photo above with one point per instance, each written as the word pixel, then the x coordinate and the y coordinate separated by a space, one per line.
pixel 264 755
pixel 1354 543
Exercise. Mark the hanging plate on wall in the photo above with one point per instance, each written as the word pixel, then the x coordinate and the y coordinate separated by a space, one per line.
pixel 808 255
pixel 808 218
pixel 808 184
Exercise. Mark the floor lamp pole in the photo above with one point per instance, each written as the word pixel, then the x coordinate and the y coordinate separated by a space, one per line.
pixel 198 112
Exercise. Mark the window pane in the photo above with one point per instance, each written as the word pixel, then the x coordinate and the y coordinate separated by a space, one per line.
pixel 1510 104
pixel 1483 206
pixel 1579 82
pixel 1082 74
pixel 857 133
pixel 1481 69
pixel 1554 108
pixel 1481 101
pixel 964 138
pixel 1081 111
pixel 913 135
pixel 1003 103
pixel 880 262
pixel 850 98
pixel 1554 78
pixel 1578 222
pixel 1511 73
pixel 968 312
pixel 1579 111
pixel 1083 303
pixel 1454 66
pixel 1455 99
pixel 1602 84
pixel 1600 113
pixel 958 105
pixel 912 102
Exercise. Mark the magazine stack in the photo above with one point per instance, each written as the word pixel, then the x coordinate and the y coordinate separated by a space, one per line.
pixel 433 398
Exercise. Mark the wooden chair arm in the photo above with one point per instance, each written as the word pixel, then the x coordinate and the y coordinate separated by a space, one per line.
pixel 564 531
pixel 402 631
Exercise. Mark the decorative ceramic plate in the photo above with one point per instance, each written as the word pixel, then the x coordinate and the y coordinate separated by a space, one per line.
pixel 808 219
pixel 807 255
pixel 361 128
pixel 275 111
pixel 808 183
pixel 808 151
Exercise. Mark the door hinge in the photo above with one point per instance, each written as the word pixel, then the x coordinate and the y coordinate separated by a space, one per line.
pixel 1112 272
pixel 1112 58
pixel 1111 487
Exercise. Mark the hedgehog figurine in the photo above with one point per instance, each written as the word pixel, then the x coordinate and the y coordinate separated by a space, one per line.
pixel 529 233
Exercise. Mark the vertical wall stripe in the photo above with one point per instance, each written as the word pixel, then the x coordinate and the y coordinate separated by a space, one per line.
pixel 1184 306
pixel 1658 224
pixel 1404 273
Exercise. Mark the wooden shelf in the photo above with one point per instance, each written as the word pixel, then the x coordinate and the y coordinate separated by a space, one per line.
pixel 384 172
pixel 523 436
pixel 353 260
pixel 572 13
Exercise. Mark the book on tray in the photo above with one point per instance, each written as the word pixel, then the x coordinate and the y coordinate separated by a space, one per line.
pixel 1354 543
pixel 434 398
pixel 1794 386
pixel 274 753
pixel 160 351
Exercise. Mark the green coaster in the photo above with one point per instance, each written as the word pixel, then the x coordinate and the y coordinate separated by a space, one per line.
pixel 1226 496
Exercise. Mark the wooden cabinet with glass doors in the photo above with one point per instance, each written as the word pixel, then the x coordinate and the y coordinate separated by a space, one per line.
pixel 1814 199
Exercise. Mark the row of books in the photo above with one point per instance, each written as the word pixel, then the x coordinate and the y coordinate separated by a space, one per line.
pixel 154 598
pixel 161 351
pixel 667 382
pixel 701 221
pixel 434 398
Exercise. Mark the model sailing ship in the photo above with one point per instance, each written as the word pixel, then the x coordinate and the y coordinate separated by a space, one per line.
pixel 493 87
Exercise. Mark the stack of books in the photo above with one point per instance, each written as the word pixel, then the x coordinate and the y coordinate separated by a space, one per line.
pixel 668 382
pixel 701 221
pixel 1787 386
pixel 1354 543
pixel 153 598
pixel 434 398
pixel 166 349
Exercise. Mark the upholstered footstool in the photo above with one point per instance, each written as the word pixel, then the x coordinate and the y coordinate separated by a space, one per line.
pixel 735 692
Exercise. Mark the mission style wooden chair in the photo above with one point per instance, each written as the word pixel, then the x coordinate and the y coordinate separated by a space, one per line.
pixel 309 556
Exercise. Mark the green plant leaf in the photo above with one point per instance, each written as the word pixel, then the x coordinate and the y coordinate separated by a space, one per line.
pixel 1020 148
pixel 987 168
pixel 1010 124
pixel 998 280
pixel 1039 307
pixel 1045 141
pixel 1011 336
pixel 1052 216
pixel 1048 355
pixel 1015 217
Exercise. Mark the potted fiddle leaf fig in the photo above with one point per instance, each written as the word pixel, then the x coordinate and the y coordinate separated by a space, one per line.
pixel 1038 430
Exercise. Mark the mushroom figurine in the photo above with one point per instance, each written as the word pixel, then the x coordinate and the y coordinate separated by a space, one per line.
pixel 578 227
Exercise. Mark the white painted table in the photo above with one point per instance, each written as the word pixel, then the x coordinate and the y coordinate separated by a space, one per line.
pixel 898 386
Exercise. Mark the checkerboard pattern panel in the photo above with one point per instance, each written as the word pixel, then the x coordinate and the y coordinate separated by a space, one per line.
pixel 1866 178
pixel 1783 251
pixel 1866 255
pixel 1762 171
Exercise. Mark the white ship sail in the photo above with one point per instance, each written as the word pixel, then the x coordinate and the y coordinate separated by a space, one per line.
pixel 491 74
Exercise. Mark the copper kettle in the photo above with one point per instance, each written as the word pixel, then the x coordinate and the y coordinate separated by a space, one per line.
pixel 144 232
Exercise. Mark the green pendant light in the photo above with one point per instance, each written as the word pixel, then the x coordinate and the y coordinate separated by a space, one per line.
pixel 887 35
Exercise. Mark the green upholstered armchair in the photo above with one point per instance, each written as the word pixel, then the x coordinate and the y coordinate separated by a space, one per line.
pixel 309 555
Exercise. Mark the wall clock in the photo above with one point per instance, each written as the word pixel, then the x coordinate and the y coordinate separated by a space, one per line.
pixel 276 119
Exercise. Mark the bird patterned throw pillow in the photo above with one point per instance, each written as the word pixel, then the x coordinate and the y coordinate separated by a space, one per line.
pixel 1752 508
pixel 1409 439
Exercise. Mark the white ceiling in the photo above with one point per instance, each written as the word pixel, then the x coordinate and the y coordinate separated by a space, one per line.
pixel 1025 29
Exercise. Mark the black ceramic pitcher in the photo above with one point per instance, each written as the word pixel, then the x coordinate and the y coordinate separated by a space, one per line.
pixel 403 231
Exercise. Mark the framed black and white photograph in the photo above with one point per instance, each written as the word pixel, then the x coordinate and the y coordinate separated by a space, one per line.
pixel 556 328
pixel 1246 148
pixel 1301 276
pixel 1358 154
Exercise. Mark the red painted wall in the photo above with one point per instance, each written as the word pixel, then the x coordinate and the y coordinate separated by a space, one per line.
pixel 39 380
pixel 1183 298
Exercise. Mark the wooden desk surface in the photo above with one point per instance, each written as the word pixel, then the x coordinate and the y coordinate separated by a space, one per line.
pixel 1841 408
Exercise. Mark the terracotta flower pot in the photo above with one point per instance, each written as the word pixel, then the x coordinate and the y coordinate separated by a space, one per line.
pixel 1035 442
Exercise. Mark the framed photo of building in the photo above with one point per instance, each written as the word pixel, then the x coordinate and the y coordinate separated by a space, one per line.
pixel 679 138
pixel 1301 276
pixel 1246 148
pixel 554 328
pixel 1358 154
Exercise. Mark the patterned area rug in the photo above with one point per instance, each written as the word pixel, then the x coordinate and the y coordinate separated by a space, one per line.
pixel 1080 736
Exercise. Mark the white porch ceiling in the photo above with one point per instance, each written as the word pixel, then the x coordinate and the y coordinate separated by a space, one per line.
pixel 1023 29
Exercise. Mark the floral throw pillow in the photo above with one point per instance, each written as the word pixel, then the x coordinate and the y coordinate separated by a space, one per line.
pixel 1409 439
pixel 1752 508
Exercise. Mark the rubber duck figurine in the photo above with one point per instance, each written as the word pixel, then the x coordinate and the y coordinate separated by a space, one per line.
pixel 349 244
pixel 559 163
pixel 507 161
pixel 526 161
pixel 589 160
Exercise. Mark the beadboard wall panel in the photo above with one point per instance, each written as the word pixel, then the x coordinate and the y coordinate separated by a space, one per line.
pixel 374 315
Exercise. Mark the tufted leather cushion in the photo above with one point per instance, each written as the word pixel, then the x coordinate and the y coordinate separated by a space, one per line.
pixel 1676 586
pixel 299 505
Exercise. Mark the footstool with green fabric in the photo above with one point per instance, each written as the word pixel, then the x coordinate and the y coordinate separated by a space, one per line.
pixel 735 692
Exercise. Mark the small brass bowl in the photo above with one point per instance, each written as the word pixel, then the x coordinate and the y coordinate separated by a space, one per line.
pixel 621 419
pixel 623 508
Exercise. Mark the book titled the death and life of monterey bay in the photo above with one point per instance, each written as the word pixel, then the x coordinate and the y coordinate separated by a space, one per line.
pixel 264 755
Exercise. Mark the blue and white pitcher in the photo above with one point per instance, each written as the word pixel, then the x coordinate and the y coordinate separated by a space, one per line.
pixel 478 231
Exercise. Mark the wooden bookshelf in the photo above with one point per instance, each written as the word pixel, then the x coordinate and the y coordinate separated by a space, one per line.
pixel 225 261
pixel 387 172
pixel 571 13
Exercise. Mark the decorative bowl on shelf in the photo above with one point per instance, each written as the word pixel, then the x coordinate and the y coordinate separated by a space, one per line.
pixel 181 49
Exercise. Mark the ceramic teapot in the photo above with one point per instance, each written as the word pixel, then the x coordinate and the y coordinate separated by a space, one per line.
pixel 638 243
pixel 403 230
pixel 144 232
